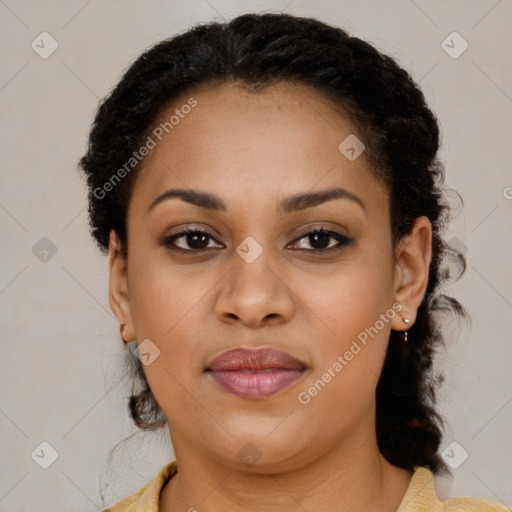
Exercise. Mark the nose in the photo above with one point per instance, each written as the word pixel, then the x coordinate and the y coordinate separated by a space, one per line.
pixel 254 294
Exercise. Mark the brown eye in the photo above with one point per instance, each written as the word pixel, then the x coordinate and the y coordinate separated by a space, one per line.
pixel 320 240
pixel 191 240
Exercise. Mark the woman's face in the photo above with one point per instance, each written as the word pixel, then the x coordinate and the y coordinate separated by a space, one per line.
pixel 252 278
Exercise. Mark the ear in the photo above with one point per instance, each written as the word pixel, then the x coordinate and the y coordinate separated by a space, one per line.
pixel 118 286
pixel 413 256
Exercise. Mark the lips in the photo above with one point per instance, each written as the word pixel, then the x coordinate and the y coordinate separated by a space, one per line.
pixel 255 359
pixel 255 373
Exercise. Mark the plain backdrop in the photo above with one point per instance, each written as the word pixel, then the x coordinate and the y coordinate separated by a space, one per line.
pixel 62 359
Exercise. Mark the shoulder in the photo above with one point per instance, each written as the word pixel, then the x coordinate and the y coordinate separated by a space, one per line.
pixel 147 497
pixel 421 496
pixel 473 505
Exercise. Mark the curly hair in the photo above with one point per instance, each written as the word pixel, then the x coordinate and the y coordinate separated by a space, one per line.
pixel 401 135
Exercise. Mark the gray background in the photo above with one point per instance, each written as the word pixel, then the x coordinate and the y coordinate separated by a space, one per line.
pixel 62 359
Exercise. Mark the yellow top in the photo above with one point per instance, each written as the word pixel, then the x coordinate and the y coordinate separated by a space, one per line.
pixel 420 496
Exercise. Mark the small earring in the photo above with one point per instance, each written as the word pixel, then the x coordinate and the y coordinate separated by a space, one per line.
pixel 406 321
pixel 123 332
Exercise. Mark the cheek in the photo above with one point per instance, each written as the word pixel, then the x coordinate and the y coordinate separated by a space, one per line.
pixel 352 311
pixel 349 351
pixel 163 296
pixel 349 299
pixel 168 309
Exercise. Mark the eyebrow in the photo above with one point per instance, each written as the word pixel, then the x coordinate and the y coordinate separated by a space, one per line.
pixel 296 202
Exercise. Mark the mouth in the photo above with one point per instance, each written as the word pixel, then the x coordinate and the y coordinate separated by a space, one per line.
pixel 255 373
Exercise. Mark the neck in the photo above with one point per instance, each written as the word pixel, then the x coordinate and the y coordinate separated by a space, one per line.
pixel 353 476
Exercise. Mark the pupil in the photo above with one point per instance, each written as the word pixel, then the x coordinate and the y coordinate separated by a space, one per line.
pixel 314 239
pixel 194 240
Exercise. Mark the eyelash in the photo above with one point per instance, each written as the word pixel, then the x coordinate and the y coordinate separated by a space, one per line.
pixel 342 240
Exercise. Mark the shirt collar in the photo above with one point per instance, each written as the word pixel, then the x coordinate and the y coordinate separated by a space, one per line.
pixel 421 493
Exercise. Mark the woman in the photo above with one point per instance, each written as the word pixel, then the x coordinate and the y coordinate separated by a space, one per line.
pixel 269 195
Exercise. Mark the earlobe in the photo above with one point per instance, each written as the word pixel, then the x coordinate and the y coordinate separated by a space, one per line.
pixel 414 254
pixel 118 287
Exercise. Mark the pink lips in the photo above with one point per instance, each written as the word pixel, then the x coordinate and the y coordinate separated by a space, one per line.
pixel 255 373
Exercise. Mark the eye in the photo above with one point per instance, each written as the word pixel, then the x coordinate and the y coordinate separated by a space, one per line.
pixel 191 240
pixel 319 239
pixel 196 240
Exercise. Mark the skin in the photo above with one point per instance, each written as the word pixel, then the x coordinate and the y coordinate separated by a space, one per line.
pixel 253 150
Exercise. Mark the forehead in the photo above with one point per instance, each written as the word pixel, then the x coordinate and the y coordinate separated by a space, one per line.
pixel 244 145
